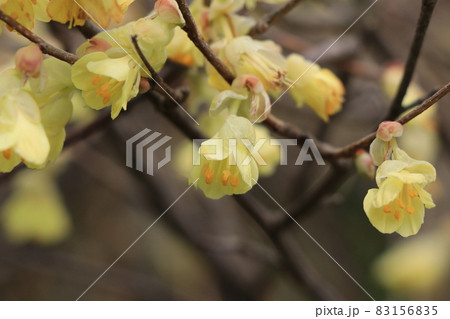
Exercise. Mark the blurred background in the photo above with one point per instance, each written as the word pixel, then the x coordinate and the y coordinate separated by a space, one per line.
pixel 61 227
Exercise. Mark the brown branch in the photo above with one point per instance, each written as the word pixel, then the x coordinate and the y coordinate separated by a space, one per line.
pixel 350 150
pixel 45 47
pixel 194 34
pixel 422 25
pixel 161 86
pixel 273 17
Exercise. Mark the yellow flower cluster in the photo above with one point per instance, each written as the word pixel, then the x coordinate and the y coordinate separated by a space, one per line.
pixel 110 70
pixel 74 12
pixel 35 106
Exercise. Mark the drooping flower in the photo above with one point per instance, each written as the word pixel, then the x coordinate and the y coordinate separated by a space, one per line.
pixel 53 90
pixel 20 10
pixel 106 81
pixel 22 133
pixel 415 269
pixel 315 87
pixel 181 50
pixel 248 98
pixel 225 165
pixel 35 212
pixel 263 59
pixel 77 12
pixel 398 205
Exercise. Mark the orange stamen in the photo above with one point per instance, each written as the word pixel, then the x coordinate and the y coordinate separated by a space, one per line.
pixel 209 175
pixel 7 153
pixel 234 181
pixel 225 177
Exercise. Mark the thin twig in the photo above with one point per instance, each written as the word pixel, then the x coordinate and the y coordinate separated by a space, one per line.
pixel 422 25
pixel 45 47
pixel 194 34
pixel 161 86
pixel 273 17
pixel 351 149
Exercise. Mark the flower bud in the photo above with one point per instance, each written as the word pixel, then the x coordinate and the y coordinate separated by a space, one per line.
pixel 144 86
pixel 29 59
pixel 364 164
pixel 387 130
pixel 169 11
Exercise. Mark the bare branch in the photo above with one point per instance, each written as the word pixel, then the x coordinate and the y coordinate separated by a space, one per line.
pixel 273 17
pixel 161 86
pixel 45 47
pixel 350 150
pixel 421 29
pixel 194 34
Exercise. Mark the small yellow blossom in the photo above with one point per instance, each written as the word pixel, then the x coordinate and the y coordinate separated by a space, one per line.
pixel 247 98
pixel 22 133
pixel 225 165
pixel 106 81
pixel 35 212
pixel 53 91
pixel 398 204
pixel 263 59
pixel 181 50
pixel 315 87
pixel 20 10
pixel 417 268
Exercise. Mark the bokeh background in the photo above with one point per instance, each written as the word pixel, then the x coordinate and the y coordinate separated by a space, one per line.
pixel 63 226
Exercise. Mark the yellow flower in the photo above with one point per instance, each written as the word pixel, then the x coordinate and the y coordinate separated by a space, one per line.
pixel 247 98
pixel 20 10
pixel 106 81
pixel 100 11
pixel 53 92
pixel 317 88
pixel 183 51
pixel 260 58
pixel 22 133
pixel 225 165
pixel 417 268
pixel 398 204
pixel 35 211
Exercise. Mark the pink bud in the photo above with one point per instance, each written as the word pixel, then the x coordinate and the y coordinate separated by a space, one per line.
pixel 364 164
pixel 98 45
pixel 169 11
pixel 387 130
pixel 144 86
pixel 29 59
